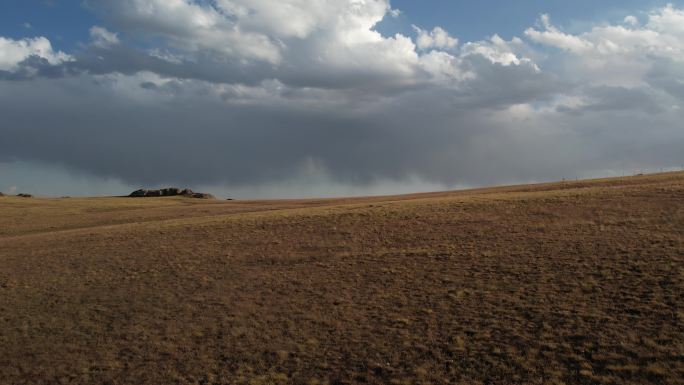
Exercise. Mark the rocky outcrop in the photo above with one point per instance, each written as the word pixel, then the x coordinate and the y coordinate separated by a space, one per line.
pixel 25 195
pixel 202 196
pixel 169 192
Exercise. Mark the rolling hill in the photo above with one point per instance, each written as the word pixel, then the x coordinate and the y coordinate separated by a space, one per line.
pixel 558 283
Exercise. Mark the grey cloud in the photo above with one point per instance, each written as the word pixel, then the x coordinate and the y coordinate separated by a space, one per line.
pixel 605 98
pixel 668 75
pixel 620 98
pixel 192 140
pixel 35 66
pixel 207 66
pixel 498 85
pixel 148 85
pixel 125 60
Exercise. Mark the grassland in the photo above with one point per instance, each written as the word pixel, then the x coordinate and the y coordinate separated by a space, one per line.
pixel 565 283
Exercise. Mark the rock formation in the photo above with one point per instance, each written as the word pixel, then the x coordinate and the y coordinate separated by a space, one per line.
pixel 169 192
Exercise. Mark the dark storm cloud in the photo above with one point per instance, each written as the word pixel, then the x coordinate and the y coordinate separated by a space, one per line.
pixel 196 140
pixel 203 142
pixel 129 61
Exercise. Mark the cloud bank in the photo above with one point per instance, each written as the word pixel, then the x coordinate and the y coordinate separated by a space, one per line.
pixel 251 93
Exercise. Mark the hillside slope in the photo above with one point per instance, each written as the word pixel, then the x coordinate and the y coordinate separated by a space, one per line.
pixel 566 283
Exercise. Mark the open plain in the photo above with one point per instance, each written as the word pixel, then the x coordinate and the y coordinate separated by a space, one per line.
pixel 559 283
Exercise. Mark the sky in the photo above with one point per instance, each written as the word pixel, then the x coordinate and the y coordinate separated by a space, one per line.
pixel 298 98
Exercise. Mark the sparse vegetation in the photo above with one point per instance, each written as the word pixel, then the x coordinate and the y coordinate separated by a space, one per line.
pixel 568 283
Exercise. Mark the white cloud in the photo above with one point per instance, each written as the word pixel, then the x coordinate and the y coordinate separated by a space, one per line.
pixel 103 38
pixel 552 36
pixel 444 67
pixel 497 50
pixel 314 36
pixel 617 55
pixel 13 52
pixel 191 26
pixel 326 43
pixel 667 20
pixel 437 38
pixel 660 36
pixel 631 20
pixel 300 18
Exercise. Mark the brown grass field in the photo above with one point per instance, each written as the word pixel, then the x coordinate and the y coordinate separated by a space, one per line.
pixel 561 283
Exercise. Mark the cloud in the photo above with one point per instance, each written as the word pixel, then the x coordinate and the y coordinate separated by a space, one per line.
pixel 189 26
pixel 668 20
pixel 14 52
pixel 328 44
pixel 631 20
pixel 552 36
pixel 616 55
pixel 605 98
pixel 292 93
pixel 103 38
pixel 497 50
pixel 437 38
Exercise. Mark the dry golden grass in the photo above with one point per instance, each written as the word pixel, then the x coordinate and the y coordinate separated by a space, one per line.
pixel 566 283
